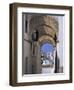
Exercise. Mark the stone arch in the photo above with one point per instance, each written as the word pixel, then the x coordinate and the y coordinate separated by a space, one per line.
pixel 44 24
pixel 47 27
pixel 45 38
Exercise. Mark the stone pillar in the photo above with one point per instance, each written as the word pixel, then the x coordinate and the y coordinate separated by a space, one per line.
pixel 38 59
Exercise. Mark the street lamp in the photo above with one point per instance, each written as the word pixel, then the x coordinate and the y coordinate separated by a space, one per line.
pixel 35 35
pixel 56 56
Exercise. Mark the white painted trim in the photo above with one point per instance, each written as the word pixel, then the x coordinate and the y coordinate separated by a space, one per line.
pixel 42 77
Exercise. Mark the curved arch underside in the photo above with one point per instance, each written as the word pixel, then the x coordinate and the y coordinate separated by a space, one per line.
pixel 47 27
pixel 44 39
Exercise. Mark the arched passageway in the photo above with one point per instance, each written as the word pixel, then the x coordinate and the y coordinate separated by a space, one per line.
pixel 42 33
pixel 44 30
pixel 47 58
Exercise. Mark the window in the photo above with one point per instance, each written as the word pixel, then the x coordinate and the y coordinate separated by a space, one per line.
pixel 26 65
pixel 26 23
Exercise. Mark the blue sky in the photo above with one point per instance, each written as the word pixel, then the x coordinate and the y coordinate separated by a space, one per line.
pixel 47 48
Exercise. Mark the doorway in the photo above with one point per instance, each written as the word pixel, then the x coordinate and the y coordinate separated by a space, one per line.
pixel 47 58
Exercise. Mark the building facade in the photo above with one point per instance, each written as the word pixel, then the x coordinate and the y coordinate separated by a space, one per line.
pixel 38 30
